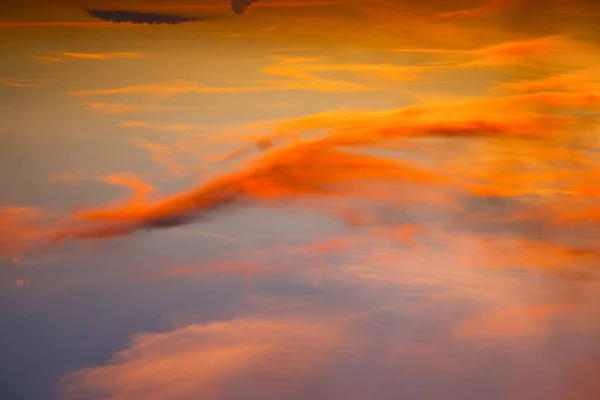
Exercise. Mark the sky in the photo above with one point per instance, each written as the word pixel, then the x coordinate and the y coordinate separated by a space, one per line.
pixel 312 199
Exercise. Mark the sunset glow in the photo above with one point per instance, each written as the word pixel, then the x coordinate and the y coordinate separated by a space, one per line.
pixel 341 200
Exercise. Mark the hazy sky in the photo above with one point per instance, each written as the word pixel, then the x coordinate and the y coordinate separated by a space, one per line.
pixel 313 199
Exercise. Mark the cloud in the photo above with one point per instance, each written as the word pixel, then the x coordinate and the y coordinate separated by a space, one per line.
pixel 141 190
pixel 23 231
pixel 298 73
pixel 240 6
pixel 194 87
pixel 303 69
pixel 514 323
pixel 119 16
pixel 46 60
pixel 277 356
pixel 62 24
pixel 175 127
pixel 581 80
pixel 16 83
pixel 115 108
pixel 279 174
pixel 528 51
pixel 104 56
pixel 329 164
pixel 164 155
pixel 490 7
pixel 299 357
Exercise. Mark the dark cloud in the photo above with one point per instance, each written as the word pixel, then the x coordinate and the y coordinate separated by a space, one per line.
pixel 239 6
pixel 139 17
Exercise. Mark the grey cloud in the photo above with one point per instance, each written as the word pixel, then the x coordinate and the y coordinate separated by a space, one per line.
pixel 239 6
pixel 139 17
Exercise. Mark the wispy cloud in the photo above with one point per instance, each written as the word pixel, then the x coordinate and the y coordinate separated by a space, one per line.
pixel 516 322
pixel 195 87
pixel 175 127
pixel 115 108
pixel 264 4
pixel 104 56
pixel 490 6
pixel 46 60
pixel 63 24
pixel 164 155
pixel 533 51
pixel 301 74
pixel 18 83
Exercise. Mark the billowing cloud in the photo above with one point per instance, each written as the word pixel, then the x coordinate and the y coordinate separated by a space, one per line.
pixel 119 16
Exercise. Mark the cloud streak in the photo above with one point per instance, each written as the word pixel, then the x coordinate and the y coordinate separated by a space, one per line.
pixel 104 56
pixel 120 16
pixel 115 108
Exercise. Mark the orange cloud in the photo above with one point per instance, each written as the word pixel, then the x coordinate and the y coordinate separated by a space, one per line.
pixel 104 56
pixel 491 6
pixel 517 322
pixel 176 127
pixel 45 60
pixel 16 83
pixel 309 82
pixel 193 87
pixel 166 156
pixel 586 80
pixel 141 190
pixel 515 52
pixel 321 166
pixel 300 170
pixel 504 253
pixel 303 74
pixel 214 355
pixel 114 108
pixel 23 231
pixel 541 50
pixel 307 69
